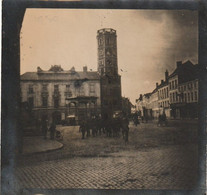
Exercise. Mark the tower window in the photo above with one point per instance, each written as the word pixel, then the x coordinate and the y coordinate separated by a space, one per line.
pixel 100 41
pixel 107 40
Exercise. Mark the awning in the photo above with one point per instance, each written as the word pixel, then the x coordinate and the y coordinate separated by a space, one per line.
pixel 70 116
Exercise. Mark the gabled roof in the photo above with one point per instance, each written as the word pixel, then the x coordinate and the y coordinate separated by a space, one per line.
pixel 186 72
pixel 147 95
pixel 58 76
pixel 162 84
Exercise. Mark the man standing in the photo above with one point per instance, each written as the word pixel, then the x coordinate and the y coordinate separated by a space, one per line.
pixel 44 126
pixel 83 129
pixel 125 128
pixel 52 131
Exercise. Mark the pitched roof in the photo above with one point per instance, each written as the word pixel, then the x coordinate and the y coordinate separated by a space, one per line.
pixel 147 95
pixel 162 84
pixel 186 72
pixel 58 76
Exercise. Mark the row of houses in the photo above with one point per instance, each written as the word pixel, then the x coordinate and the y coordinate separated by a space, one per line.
pixel 176 95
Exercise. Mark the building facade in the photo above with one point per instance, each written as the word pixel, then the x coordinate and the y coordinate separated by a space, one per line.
pixel 163 96
pixel 177 95
pixel 57 93
pixel 183 87
pixel 153 104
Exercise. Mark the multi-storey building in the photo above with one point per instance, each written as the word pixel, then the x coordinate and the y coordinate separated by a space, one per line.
pixel 177 95
pixel 58 93
pixel 163 96
pixel 183 89
pixel 143 105
pixel 153 103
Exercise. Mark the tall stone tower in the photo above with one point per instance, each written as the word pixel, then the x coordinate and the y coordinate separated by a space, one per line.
pixel 108 69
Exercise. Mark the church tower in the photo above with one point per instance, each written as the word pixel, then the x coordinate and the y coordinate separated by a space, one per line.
pixel 108 69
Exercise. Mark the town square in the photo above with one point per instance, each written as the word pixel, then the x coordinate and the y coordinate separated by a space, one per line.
pixel 108 100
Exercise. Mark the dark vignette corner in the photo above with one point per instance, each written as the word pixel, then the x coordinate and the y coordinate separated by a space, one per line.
pixel 12 17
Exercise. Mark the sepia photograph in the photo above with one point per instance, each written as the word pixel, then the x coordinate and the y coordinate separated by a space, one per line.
pixel 108 100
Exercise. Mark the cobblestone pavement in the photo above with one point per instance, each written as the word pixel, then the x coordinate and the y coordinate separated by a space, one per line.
pixel 154 158
pixel 167 168
pixel 143 137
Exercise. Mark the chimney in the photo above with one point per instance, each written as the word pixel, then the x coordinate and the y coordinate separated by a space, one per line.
pixel 179 63
pixel 85 69
pixel 156 85
pixel 166 75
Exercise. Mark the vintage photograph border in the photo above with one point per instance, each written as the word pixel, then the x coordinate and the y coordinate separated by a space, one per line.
pixel 12 17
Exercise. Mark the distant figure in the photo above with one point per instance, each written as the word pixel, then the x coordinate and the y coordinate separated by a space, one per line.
pixel 44 127
pixel 87 127
pixel 162 120
pixel 146 119
pixel 164 116
pixel 108 126
pixel 135 119
pixel 52 131
pixel 125 128
pixel 159 120
pixel 142 119
pixel 83 129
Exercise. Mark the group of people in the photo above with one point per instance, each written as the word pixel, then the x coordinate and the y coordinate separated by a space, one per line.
pixel 110 127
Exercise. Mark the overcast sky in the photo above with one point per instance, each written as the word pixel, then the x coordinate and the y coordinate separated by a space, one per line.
pixel 148 41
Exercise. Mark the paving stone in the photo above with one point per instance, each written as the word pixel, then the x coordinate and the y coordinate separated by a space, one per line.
pixel 155 169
